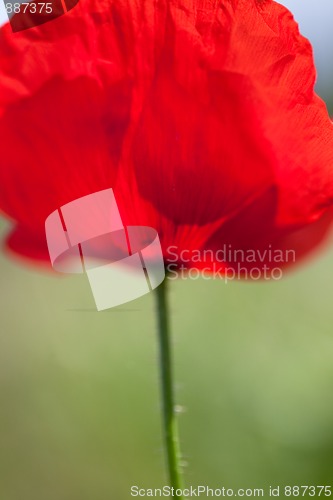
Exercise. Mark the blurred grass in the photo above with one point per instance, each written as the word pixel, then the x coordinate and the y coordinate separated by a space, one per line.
pixel 80 411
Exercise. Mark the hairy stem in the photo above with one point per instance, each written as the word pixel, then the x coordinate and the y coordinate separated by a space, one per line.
pixel 170 426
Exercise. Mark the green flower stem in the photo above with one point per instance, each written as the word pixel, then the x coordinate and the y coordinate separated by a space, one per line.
pixel 170 426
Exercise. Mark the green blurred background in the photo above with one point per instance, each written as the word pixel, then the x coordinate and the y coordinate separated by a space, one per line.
pixel 80 411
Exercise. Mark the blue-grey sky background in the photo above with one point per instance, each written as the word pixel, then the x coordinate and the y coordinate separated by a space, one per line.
pixel 315 18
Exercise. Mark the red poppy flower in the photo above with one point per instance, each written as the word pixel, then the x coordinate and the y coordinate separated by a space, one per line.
pixel 200 114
